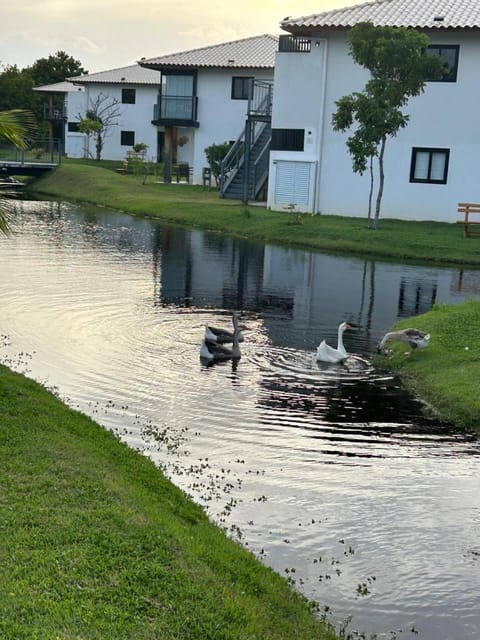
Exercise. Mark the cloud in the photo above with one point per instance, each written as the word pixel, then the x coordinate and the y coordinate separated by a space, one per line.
pixel 83 43
pixel 114 33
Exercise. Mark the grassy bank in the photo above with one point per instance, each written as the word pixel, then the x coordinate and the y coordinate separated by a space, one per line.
pixel 96 544
pixel 446 374
pixel 428 242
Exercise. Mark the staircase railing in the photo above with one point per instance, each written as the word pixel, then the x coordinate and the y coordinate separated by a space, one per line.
pixel 259 111
pixel 260 98
pixel 232 162
pixel 260 169
pixel 235 157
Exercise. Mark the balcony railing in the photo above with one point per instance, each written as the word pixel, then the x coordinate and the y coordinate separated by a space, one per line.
pixel 176 110
pixel 290 44
pixel 260 98
pixel 57 114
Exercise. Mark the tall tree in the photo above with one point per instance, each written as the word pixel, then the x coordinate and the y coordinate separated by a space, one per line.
pixel 399 65
pixel 16 89
pixel 55 68
pixel 16 85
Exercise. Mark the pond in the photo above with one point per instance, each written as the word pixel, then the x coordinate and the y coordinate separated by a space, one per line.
pixel 329 474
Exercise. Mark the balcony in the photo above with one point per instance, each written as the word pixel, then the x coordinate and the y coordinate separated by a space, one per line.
pixel 55 114
pixel 291 44
pixel 260 98
pixel 176 111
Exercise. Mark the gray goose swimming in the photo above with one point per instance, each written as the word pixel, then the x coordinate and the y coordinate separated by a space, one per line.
pixel 222 336
pixel 213 352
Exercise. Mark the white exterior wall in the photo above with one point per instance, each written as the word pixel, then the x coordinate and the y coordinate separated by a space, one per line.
pixel 306 88
pixel 75 105
pixel 298 103
pixel 133 117
pixel 220 118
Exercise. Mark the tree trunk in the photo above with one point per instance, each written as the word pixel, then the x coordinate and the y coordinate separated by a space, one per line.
pixel 370 195
pixel 381 182
pixel 167 155
pixel 99 146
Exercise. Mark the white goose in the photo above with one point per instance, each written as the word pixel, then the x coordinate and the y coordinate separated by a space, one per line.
pixel 326 353
pixel 221 336
pixel 214 352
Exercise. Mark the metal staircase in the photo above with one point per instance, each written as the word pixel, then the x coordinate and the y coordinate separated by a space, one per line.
pixel 244 170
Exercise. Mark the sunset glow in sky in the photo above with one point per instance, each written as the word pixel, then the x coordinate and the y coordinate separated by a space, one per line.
pixel 115 33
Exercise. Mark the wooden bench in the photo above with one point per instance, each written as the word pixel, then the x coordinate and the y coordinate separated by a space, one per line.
pixel 468 208
pixel 183 170
pixel 135 155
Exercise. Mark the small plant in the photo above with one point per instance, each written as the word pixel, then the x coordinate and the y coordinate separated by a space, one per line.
pixel 297 219
pixel 215 154
pixel 140 147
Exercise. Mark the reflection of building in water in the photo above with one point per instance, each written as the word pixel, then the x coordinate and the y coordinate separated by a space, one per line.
pixel 302 296
pixel 207 270
pixel 466 282
pixel 415 297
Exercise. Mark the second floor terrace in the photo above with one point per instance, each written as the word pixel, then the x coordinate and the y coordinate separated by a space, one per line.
pixel 56 114
pixel 181 109
pixel 175 110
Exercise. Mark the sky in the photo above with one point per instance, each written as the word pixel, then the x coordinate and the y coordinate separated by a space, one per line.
pixel 107 34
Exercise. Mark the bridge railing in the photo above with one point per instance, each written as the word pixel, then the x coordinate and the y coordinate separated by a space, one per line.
pixel 38 150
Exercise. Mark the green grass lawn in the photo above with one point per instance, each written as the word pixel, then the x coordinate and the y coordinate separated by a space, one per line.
pixel 422 242
pixel 97 545
pixel 446 373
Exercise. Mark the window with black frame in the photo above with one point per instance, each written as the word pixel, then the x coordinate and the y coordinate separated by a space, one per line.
pixel 127 138
pixel 287 140
pixel 449 54
pixel 128 96
pixel 429 165
pixel 240 87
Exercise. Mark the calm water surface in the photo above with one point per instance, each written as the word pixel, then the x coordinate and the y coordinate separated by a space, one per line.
pixel 329 474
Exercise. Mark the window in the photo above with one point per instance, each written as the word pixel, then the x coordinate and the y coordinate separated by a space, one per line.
pixel 127 138
pixel 449 56
pixel 429 165
pixel 240 87
pixel 72 127
pixel 287 139
pixel 128 96
pixel 178 96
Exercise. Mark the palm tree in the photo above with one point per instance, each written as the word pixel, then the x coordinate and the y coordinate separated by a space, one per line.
pixel 14 126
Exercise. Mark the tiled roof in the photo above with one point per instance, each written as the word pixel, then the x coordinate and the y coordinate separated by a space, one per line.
pixel 248 53
pixel 58 87
pixel 419 14
pixel 134 74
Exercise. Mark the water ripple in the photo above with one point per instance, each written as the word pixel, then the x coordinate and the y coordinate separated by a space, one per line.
pixel 330 473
